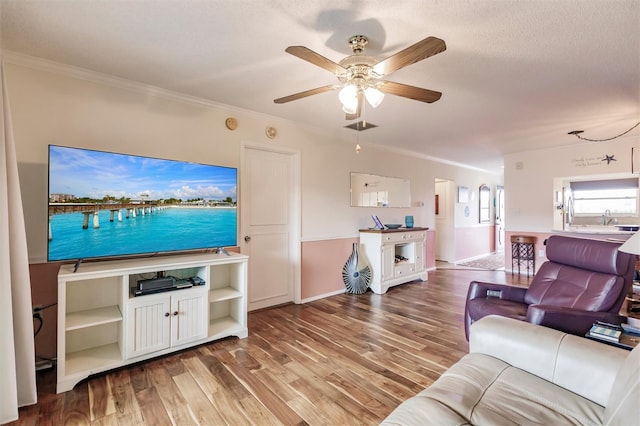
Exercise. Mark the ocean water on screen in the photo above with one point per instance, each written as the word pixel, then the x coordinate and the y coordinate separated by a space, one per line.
pixel 165 230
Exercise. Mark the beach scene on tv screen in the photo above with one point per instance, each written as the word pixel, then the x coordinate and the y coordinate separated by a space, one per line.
pixel 104 204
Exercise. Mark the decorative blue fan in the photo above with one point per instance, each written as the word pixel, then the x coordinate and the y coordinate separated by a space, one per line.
pixel 356 281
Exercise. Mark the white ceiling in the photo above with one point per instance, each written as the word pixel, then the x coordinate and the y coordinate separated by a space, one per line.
pixel 516 75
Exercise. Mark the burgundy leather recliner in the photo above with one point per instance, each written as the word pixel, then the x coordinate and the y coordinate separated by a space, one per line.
pixel 583 281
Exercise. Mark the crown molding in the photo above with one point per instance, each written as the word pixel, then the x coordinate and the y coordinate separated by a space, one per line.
pixel 85 74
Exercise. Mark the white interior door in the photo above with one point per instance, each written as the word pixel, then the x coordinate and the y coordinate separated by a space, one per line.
pixel 445 221
pixel 270 222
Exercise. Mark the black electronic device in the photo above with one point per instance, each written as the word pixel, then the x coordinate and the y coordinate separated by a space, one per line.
pixel 155 283
pixel 167 283
pixel 197 281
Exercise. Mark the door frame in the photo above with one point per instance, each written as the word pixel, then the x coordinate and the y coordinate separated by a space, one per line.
pixel 295 211
pixel 445 222
pixel 499 219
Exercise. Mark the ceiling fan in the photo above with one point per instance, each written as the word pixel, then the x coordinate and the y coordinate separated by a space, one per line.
pixel 361 75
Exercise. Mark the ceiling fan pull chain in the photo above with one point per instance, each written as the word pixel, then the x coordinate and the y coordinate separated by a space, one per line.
pixel 364 113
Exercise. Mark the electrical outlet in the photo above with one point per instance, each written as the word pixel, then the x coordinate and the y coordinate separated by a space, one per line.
pixel 38 311
pixel 540 253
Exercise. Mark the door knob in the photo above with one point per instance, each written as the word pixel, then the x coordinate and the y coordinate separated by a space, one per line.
pixel 247 238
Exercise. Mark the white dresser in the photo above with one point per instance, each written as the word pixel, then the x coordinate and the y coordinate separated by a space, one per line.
pixel 396 256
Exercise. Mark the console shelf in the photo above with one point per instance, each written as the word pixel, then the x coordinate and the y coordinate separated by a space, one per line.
pixel 224 294
pixel 102 324
pixel 91 317
pixel 221 326
pixel 99 358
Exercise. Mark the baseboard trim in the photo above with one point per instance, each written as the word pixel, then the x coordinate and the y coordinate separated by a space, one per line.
pixel 322 296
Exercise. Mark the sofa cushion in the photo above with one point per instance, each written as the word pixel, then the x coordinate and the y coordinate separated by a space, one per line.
pixel 422 410
pixel 445 402
pixel 481 389
pixel 517 397
pixel 559 358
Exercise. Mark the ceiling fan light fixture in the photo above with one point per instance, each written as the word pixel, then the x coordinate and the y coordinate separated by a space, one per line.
pixel 348 96
pixel 374 96
pixel 349 109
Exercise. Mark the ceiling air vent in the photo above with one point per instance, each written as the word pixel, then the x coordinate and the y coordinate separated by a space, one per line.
pixel 361 125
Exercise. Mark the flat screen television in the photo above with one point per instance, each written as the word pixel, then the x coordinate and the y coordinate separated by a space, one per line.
pixel 106 204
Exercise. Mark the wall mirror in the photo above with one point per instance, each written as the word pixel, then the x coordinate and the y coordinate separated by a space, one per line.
pixel 369 190
pixel 485 203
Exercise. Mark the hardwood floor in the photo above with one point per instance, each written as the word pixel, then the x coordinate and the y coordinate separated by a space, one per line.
pixel 346 359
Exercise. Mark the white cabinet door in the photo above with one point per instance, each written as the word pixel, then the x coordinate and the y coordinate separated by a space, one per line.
pixel 419 256
pixel 188 317
pixel 149 321
pixel 388 261
pixel 162 321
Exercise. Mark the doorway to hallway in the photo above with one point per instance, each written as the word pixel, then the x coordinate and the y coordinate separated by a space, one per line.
pixel 445 220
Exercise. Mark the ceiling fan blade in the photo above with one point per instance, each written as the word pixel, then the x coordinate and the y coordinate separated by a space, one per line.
pixel 305 94
pixel 421 50
pixel 315 58
pixel 358 109
pixel 411 92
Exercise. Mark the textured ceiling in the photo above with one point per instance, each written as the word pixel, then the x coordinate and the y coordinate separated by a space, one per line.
pixel 516 75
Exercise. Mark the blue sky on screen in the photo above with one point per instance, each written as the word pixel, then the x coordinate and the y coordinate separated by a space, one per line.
pixel 95 174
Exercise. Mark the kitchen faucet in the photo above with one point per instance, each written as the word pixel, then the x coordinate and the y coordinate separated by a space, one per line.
pixel 607 218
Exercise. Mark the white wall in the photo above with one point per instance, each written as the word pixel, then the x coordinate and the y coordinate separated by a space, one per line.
pixel 529 177
pixel 58 105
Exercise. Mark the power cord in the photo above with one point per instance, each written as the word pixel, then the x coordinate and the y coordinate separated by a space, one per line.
pixel 42 363
pixel 37 316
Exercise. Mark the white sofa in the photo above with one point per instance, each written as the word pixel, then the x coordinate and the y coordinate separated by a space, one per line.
pixel 518 373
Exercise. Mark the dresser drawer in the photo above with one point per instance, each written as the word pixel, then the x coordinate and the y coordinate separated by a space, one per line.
pixel 398 237
pixel 403 269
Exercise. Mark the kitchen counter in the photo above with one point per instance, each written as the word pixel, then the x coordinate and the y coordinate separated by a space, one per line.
pixel 596 230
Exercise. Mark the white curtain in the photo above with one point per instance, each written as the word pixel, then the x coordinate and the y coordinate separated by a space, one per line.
pixel 17 354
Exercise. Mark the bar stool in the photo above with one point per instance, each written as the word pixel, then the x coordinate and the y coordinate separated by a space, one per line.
pixel 523 252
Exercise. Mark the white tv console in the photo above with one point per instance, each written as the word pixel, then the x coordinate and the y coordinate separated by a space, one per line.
pixel 103 325
pixel 396 256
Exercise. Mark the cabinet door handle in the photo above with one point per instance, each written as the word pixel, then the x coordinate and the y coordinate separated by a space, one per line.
pixel 166 314
pixel 175 313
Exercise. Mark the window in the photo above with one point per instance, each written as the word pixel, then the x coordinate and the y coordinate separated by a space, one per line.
pixel 485 204
pixel 615 197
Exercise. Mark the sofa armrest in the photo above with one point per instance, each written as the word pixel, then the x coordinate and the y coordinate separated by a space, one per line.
pixel 479 289
pixel 582 366
pixel 569 320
